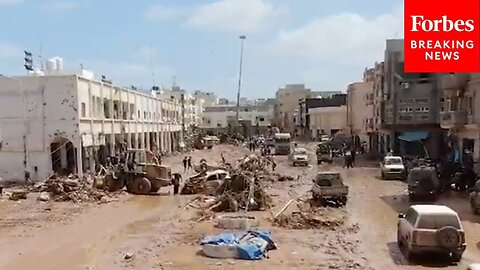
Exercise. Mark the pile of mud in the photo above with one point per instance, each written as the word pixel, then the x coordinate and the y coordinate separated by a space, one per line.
pixel 307 217
pixel 70 189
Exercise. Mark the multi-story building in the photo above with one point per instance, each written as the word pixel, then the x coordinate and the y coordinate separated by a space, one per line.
pixel 302 116
pixel 412 103
pixel 191 106
pixel 223 101
pixel 356 111
pixel 327 120
pixel 287 100
pixel 376 147
pixel 72 122
pixel 222 118
pixel 209 98
pixel 459 115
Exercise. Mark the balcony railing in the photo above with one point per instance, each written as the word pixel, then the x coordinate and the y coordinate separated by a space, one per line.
pixel 453 119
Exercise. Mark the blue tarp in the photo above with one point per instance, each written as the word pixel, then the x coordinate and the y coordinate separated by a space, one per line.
pixel 413 136
pixel 249 244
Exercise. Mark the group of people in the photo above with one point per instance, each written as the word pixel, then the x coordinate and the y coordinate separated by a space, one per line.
pixel 187 163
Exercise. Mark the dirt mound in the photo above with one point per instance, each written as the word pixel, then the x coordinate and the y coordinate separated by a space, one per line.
pixel 306 217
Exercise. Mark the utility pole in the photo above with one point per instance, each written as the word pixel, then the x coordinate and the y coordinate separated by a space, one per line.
pixel 242 38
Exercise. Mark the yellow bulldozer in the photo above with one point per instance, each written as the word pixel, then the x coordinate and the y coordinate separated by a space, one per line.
pixel 141 173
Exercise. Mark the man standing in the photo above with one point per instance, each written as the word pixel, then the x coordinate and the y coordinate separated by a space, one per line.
pixel 176 182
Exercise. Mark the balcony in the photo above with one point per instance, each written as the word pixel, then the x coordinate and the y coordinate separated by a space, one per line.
pixel 452 119
pixel 453 82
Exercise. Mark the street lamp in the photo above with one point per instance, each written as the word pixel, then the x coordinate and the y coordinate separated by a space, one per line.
pixel 25 154
pixel 242 38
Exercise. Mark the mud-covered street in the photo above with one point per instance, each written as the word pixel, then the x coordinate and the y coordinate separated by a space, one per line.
pixel 161 232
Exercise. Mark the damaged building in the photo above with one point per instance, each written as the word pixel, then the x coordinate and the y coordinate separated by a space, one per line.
pixel 72 123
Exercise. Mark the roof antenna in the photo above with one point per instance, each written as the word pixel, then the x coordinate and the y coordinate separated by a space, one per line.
pixel 42 68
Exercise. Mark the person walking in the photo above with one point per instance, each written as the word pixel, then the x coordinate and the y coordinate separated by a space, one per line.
pixel 185 161
pixel 348 158
pixel 353 156
pixel 189 163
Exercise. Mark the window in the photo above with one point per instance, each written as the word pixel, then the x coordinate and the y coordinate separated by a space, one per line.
pixel 84 109
pixel 470 105
pixel 434 222
pixel 212 177
pixel 411 216
pixel 262 119
pixel 138 114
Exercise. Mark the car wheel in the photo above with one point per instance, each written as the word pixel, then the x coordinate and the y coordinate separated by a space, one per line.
pixel 456 257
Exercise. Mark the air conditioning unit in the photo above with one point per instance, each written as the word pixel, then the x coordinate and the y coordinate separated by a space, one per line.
pixel 404 85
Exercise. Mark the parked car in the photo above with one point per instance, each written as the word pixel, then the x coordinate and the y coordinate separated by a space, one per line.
pixel 299 156
pixel 392 167
pixel 423 183
pixel 475 198
pixel 431 228
pixel 329 186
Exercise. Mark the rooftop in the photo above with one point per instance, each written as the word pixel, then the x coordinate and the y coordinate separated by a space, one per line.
pixel 433 209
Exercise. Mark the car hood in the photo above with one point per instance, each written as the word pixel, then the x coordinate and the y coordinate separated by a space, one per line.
pixel 396 166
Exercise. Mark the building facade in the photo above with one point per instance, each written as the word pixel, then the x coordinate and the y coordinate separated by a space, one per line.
pixel 357 113
pixel 287 100
pixel 327 120
pixel 412 103
pixel 222 118
pixel 459 116
pixel 302 116
pixel 72 123
pixel 191 106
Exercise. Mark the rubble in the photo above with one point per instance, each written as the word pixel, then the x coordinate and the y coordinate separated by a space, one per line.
pixel 69 189
pixel 244 189
pixel 311 217
pixel 43 197
pixel 18 194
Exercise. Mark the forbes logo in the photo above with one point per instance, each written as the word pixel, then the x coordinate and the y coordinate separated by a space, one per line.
pixel 441 25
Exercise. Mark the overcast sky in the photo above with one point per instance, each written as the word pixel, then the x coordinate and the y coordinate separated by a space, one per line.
pixel 324 44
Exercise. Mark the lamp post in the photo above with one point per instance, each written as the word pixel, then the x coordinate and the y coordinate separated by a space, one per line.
pixel 242 38
pixel 25 153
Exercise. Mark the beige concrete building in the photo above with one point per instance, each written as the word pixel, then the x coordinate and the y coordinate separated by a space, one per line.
pixel 327 119
pixel 358 116
pixel 70 123
pixel 287 101
pixel 459 111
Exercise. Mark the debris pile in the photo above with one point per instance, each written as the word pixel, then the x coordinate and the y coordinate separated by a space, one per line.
pixel 308 217
pixel 242 189
pixel 69 189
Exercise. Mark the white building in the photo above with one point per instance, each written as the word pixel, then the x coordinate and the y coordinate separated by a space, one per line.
pixel 209 98
pixel 222 117
pixel 192 106
pixel 71 123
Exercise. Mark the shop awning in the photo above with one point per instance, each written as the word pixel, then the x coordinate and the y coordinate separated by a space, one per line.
pixel 413 136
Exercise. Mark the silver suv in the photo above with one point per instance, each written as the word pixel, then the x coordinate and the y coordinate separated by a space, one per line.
pixel 431 228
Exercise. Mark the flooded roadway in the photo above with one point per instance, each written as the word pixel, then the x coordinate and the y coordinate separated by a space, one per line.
pixel 161 233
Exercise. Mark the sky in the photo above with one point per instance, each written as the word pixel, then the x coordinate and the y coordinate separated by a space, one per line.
pixel 195 43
